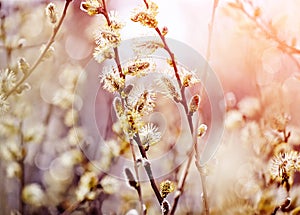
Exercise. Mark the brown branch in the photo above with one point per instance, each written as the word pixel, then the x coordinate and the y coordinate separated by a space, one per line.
pixel 116 52
pixel 42 55
pixel 180 188
pixel 146 3
pixel 138 187
pixel 136 137
pixel 148 168
pixel 189 117
pixel 269 31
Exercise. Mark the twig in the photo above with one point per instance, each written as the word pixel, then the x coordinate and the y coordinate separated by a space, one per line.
pixel 73 207
pixel 117 57
pixel 22 176
pixel 189 117
pixel 209 42
pixel 22 47
pixel 3 36
pixel 148 168
pixel 269 31
pixel 136 137
pixel 138 187
pixel 180 188
pixel 42 55
pixel 197 155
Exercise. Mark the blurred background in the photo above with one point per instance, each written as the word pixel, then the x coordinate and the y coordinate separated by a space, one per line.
pixel 255 53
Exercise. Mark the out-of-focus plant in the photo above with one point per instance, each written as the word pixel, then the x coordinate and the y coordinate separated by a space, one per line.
pixel 44 169
pixel 267 178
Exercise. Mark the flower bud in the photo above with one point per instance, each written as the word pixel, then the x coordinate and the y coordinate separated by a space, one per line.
pixel 51 12
pixel 130 178
pixel 194 104
pixel 23 65
pixel 202 130
pixel 166 187
pixel 118 106
pixel 164 31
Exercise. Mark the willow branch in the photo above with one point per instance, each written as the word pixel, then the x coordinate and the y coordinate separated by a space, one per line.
pixel 268 30
pixel 136 137
pixel 189 117
pixel 21 163
pixel 148 169
pixel 116 51
pixel 44 52
pixel 138 187
pixel 190 122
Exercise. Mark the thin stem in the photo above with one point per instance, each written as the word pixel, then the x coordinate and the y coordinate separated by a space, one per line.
pixel 146 3
pixel 22 47
pixel 189 118
pixel 4 39
pixel 209 42
pixel 148 168
pixel 203 182
pixel 138 188
pixel 197 155
pixel 22 176
pixel 116 52
pixel 180 188
pixel 166 47
pixel 42 55
pixel 136 137
pixel 73 207
pixel 190 122
pixel 269 31
pixel 286 135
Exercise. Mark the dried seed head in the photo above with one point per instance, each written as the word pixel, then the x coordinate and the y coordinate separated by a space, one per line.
pixel 51 13
pixel 194 104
